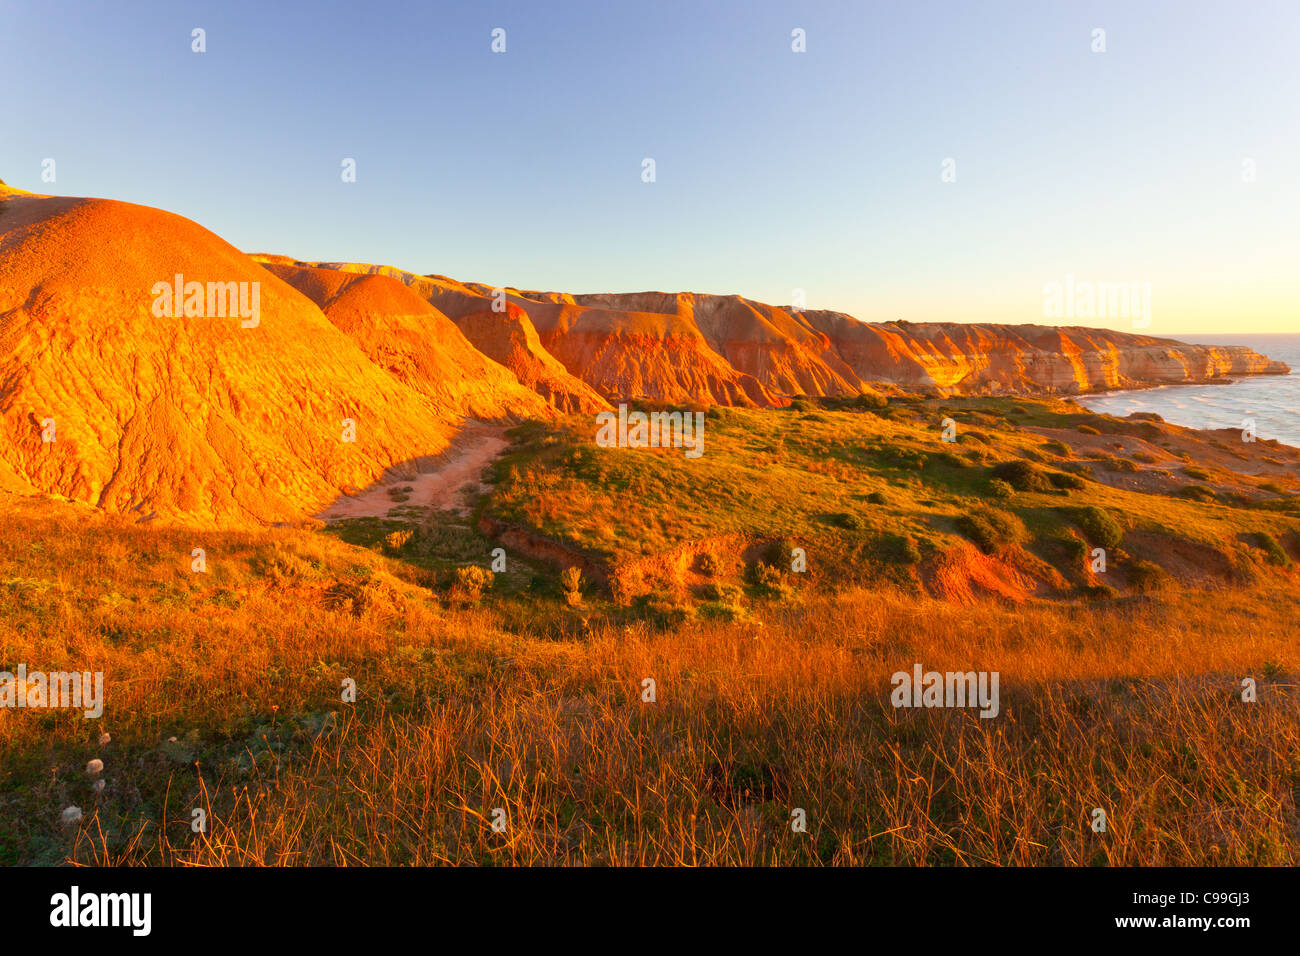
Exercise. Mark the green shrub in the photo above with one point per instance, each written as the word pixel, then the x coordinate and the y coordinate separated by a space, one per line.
pixel 721 611
pixel 990 528
pixel 1099 591
pixel 900 549
pixel 1146 576
pixel 949 459
pixel 397 540
pixel 1000 489
pixel 902 457
pixel 725 593
pixel 765 577
pixel 1276 553
pixel 1022 476
pixel 571 579
pixel 870 401
pixel 1087 430
pixel 1075 548
pixel 468 584
pixel 1121 464
pixel 781 552
pixel 877 498
pixel 1061 480
pixel 847 520
pixel 1099 526
pixel 662 612
pixel 1197 493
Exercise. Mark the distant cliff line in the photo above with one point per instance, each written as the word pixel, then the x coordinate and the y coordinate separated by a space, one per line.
pixel 729 350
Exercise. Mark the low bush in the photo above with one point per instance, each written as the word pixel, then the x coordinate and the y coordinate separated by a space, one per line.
pixel 661 612
pixel 870 401
pixel 1022 476
pixel 766 578
pixel 1065 482
pixel 847 520
pixel 467 585
pixel 949 459
pixel 712 564
pixel 1147 576
pixel 1099 526
pixel 781 552
pixel 1000 489
pixel 1100 592
pixel 1076 549
pixel 1276 553
pixel 899 549
pixel 990 528
pixel 397 540
pixel 725 593
pixel 571 582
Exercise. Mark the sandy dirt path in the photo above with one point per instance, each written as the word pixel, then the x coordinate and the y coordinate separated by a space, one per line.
pixel 439 489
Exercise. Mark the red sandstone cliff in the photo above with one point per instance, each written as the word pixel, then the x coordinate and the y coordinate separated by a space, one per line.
pixel 732 350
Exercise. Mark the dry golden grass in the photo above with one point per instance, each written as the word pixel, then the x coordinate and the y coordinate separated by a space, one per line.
pixel 1133 707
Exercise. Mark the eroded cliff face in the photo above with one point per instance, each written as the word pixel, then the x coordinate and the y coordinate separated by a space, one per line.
pixel 1029 359
pixel 729 350
pixel 402 333
pixel 183 416
pixel 620 353
pixel 510 338
pixel 814 353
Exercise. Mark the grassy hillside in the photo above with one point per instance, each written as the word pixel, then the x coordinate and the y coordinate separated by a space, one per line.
pixel 224 691
pixel 872 492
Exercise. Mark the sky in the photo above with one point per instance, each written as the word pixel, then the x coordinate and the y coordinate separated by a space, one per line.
pixel 1169 162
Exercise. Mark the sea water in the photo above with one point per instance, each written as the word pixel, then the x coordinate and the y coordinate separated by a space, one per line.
pixel 1272 401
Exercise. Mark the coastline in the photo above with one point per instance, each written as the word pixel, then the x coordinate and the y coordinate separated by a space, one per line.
pixel 1228 404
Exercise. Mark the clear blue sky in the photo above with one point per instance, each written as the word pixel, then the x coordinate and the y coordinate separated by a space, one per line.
pixel 775 170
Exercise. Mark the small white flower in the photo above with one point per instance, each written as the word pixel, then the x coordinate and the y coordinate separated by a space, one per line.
pixel 95 767
pixel 99 786
pixel 104 738
pixel 71 815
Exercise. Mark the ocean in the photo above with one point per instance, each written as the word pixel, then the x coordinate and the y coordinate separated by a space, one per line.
pixel 1273 401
